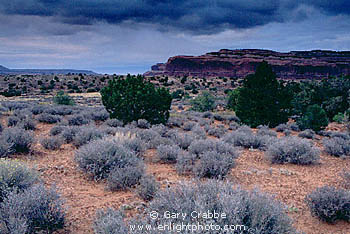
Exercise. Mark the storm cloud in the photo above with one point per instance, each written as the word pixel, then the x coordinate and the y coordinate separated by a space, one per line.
pixel 191 16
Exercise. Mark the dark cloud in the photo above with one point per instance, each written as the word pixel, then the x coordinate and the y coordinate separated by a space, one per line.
pixel 198 17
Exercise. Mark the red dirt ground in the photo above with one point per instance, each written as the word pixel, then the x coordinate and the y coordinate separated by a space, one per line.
pixel 289 183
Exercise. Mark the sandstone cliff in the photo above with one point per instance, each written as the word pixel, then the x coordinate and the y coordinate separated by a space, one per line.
pixel 239 63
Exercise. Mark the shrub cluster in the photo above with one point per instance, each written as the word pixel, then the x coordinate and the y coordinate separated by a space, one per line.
pixel 307 133
pixel 214 165
pixel 35 209
pixel 109 221
pixel 337 146
pixel 63 99
pixel 293 150
pixel 77 120
pixel 15 176
pixel 244 137
pixel 17 140
pixel 256 211
pixel 199 147
pixel 48 118
pixel 142 123
pixel 52 143
pixel 203 102
pixel 86 134
pixel 125 176
pixel 114 123
pixel 26 206
pixel 167 153
pixel 329 204
pixel 106 158
pixel 147 188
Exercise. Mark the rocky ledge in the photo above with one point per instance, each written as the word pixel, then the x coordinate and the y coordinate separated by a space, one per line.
pixel 313 64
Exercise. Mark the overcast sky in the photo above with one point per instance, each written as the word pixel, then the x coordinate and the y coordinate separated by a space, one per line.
pixel 121 36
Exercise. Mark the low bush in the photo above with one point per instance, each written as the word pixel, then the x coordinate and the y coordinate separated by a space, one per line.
pixel 346 178
pixel 233 118
pixel 167 153
pixel 142 123
pixel 56 130
pixel 12 121
pixel 63 99
pixel 99 157
pixel 77 120
pixel 59 110
pixel 48 118
pixel 199 132
pixel 148 187
pixel 294 127
pixel 135 144
pixel 27 124
pixel 175 122
pixel 185 163
pixel 247 139
pixel 121 178
pixel 307 133
pixel 293 150
pixel 37 109
pixel 5 148
pixel 233 126
pixel 188 126
pixel 20 141
pixel 343 135
pixel 198 147
pixel 337 146
pixel 207 115
pixel 36 209
pixel 282 127
pixel 99 114
pixel 160 129
pixel 217 132
pixel 287 132
pixel 329 204
pixel 254 210
pixel 52 143
pixel 87 134
pixel 183 140
pixel 265 131
pixel 214 165
pixel 109 221
pixel 69 133
pixel 11 106
pixel 114 123
pixel 15 176
pixel 203 102
pixel 219 117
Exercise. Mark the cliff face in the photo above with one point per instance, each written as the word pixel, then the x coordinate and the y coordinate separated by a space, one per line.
pixel 239 63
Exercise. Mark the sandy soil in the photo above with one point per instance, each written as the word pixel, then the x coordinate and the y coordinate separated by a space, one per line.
pixel 288 183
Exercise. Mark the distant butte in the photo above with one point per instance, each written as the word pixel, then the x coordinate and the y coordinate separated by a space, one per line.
pixel 313 64
pixel 7 71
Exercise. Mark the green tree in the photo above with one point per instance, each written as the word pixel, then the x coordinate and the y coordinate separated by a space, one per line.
pixel 232 99
pixel 315 118
pixel 262 99
pixel 134 98
pixel 203 102
pixel 63 99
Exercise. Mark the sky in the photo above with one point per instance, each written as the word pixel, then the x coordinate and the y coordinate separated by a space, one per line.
pixel 129 36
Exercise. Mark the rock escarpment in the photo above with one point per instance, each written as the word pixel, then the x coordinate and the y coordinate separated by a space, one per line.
pixel 313 64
